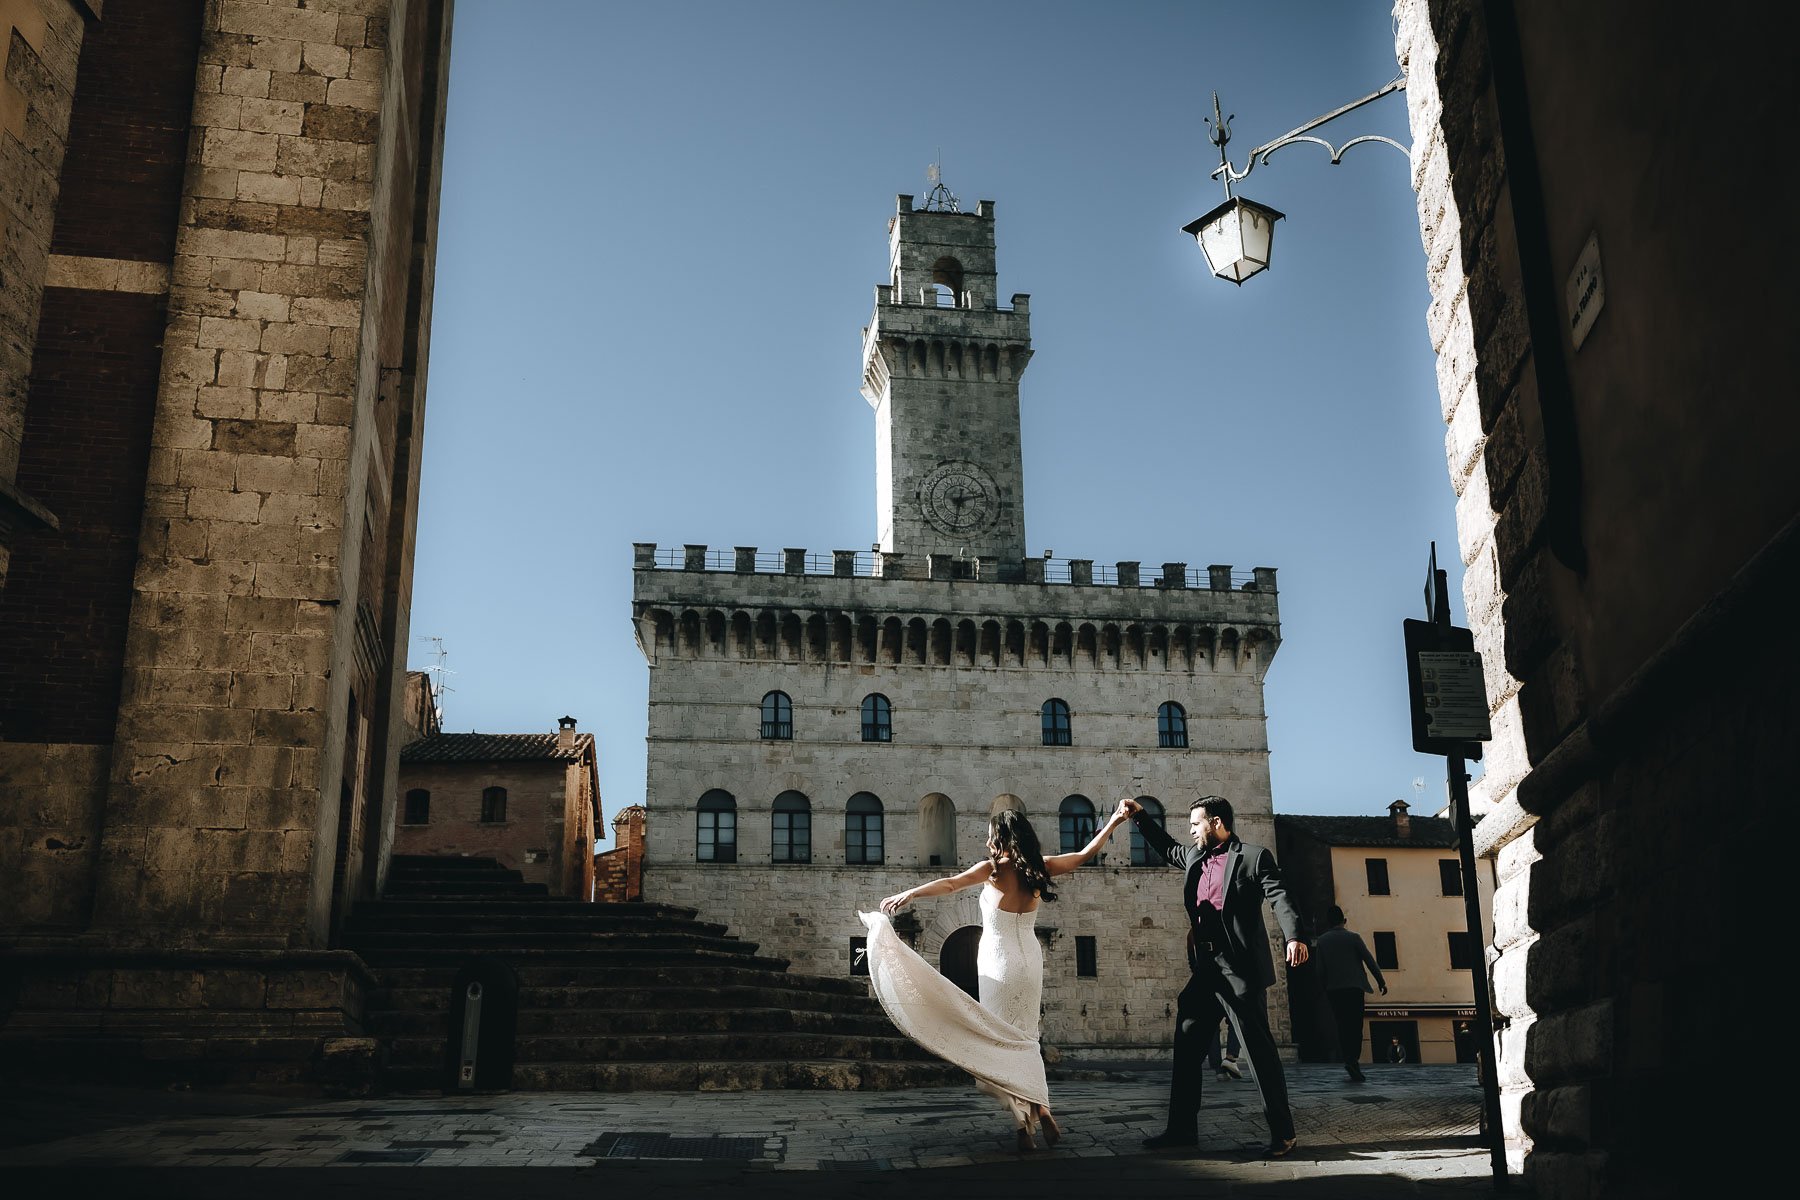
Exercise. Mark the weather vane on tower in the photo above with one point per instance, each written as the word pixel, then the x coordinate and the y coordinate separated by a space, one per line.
pixel 940 198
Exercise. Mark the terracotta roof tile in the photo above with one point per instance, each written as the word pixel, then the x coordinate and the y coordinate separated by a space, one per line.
pixel 1430 832
pixel 495 747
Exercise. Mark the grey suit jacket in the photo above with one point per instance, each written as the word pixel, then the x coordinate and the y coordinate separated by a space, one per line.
pixel 1251 878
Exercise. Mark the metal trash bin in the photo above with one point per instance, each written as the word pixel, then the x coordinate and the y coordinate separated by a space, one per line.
pixel 484 1020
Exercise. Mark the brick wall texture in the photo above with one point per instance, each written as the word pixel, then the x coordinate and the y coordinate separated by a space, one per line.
pixel 226 399
pixel 1631 604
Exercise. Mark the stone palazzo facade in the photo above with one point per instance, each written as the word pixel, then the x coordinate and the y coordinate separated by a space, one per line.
pixel 219 230
pixel 828 729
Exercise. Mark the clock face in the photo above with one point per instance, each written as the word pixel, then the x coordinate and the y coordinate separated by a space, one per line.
pixel 959 498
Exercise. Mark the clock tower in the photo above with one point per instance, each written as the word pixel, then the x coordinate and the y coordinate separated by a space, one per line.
pixel 941 367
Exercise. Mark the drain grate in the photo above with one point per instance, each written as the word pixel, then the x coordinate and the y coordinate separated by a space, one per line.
pixel 668 1145
pixel 1366 1099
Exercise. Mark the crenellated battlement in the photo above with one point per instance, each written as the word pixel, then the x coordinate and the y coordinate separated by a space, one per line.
pixel 1082 572
pixel 860 607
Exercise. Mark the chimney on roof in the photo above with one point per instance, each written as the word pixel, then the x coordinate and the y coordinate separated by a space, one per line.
pixel 565 733
pixel 1402 822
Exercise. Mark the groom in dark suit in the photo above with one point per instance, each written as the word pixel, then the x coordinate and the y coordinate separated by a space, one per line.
pixel 1226 884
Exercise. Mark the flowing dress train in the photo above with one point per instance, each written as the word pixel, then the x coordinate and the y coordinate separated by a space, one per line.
pixel 996 1040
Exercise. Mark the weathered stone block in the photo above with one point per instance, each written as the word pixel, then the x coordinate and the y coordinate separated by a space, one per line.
pixel 261 438
pixel 156 989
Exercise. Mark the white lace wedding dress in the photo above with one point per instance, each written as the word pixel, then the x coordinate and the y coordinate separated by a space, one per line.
pixel 996 1040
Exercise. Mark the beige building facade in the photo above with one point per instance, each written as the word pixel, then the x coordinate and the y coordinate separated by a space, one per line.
pixel 825 730
pixel 1399 881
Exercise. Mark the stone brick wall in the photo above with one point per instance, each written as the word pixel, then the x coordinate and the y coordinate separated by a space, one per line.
pixel 1630 603
pixel 619 872
pixel 41 47
pixel 226 396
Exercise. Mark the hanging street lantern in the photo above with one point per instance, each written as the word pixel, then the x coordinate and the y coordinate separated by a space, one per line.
pixel 1236 237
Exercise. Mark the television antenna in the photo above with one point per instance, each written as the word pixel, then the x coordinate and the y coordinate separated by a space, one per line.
pixel 436 673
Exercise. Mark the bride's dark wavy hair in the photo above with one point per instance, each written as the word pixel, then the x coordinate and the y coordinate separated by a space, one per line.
pixel 1015 839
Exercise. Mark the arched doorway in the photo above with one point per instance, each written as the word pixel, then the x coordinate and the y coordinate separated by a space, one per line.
pixel 957 959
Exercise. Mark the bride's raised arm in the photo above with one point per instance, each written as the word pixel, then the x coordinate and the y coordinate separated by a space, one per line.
pixel 1062 864
pixel 939 887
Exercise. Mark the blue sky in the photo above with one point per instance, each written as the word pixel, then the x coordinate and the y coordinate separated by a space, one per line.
pixel 662 226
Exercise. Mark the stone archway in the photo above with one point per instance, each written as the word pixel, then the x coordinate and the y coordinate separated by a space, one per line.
pixel 956 960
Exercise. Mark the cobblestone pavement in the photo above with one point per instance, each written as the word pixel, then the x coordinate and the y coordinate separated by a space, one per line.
pixel 1410 1131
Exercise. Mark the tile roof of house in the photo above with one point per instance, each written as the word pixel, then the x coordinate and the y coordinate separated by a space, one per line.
pixel 495 747
pixel 1430 832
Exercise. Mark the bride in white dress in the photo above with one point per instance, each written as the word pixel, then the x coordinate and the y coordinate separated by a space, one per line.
pixel 996 1040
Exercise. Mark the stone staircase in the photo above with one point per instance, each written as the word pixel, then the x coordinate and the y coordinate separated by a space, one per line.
pixel 613 997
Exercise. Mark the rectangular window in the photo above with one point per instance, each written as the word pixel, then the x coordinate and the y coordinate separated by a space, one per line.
pixel 716 837
pixel 862 839
pixel 1087 958
pixel 793 838
pixel 1387 955
pixel 1377 872
pixel 418 807
pixel 493 805
pixel 1450 876
pixel 859 956
pixel 1462 951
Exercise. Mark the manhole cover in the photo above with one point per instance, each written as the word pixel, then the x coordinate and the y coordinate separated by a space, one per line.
pixel 668 1145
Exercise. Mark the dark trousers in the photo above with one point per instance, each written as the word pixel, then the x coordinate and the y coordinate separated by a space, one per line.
pixel 1215 991
pixel 1347 1011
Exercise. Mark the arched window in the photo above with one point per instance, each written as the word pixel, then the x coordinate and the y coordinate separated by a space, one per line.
pixel 1171 726
pixel 715 827
pixel 862 830
pixel 1056 723
pixel 493 805
pixel 1141 853
pixel 778 716
pixel 418 807
pixel 791 829
pixel 1075 819
pixel 877 718
pixel 937 830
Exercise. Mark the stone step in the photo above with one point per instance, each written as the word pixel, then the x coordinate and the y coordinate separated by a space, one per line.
pixel 591 1022
pixel 363 923
pixel 786 993
pixel 460 874
pixel 682 1047
pixel 811 1074
pixel 524 906
pixel 475 889
pixel 446 862
pixel 374 944
pixel 729 979
pixel 454 958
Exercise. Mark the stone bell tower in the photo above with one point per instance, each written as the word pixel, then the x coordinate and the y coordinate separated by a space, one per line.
pixel 941 367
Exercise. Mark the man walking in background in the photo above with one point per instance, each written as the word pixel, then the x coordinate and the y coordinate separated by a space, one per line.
pixel 1341 956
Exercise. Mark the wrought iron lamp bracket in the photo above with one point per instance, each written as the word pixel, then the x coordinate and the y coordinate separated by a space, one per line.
pixel 1220 133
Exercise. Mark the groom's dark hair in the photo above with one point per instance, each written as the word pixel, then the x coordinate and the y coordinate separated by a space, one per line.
pixel 1214 806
